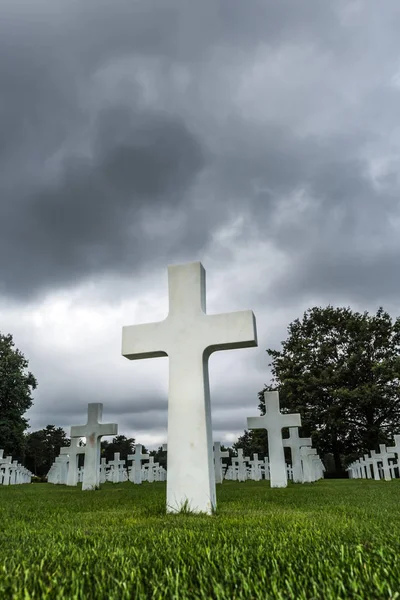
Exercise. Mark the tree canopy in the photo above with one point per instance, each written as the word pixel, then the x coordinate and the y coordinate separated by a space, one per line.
pixel 121 444
pixel 42 448
pixel 341 371
pixel 16 386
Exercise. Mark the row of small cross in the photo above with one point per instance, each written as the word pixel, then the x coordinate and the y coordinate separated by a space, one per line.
pixel 12 472
pixel 379 461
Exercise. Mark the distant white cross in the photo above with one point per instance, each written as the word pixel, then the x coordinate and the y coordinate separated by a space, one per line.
pixel 367 463
pixel 307 453
pixel 150 467
pixel 103 470
pixel 396 450
pixel 241 461
pixel 188 336
pixel 93 431
pixel 135 472
pixel 256 467
pixel 116 468
pixel 384 456
pixel 218 456
pixel 375 460
pixel 294 442
pixel 266 468
pixel 73 451
pixel 274 421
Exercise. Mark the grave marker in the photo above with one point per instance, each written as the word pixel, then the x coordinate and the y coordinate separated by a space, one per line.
pixel 218 456
pixel 188 336
pixel 73 451
pixel 135 472
pixel 93 431
pixel 294 442
pixel 274 421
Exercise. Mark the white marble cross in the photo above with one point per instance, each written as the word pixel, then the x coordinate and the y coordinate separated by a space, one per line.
pixel 255 465
pixel 151 466
pixel 384 456
pixel 218 456
pixel 396 450
pixel 375 460
pixel 103 470
pixel 188 336
pixel 135 471
pixel 367 463
pixel 73 451
pixel 63 459
pixel 274 421
pixel 93 431
pixel 5 462
pixel 13 471
pixel 396 447
pixel 307 453
pixel 294 442
pixel 266 468
pixel 116 468
pixel 241 461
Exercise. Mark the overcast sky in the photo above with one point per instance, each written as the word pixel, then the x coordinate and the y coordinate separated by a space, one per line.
pixel 261 137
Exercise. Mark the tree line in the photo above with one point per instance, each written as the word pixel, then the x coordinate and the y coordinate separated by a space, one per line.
pixel 338 368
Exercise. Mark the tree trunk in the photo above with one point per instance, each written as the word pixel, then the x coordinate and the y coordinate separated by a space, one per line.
pixel 336 452
pixel 337 459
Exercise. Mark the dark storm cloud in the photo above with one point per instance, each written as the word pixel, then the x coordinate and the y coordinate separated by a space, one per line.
pixel 81 180
pixel 90 219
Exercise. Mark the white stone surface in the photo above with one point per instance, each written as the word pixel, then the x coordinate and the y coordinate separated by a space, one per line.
pixel 5 464
pixel 93 431
pixel 384 458
pixel 274 421
pixel 375 461
pixel 396 450
pixel 117 466
pixel 306 453
pixel 368 464
pixel 151 467
pixel 188 336
pixel 218 465
pixel 240 463
pixel 137 458
pixel 73 451
pixel 294 442
pixel 255 470
pixel 103 470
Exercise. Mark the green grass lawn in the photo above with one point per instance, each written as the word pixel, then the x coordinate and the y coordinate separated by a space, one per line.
pixel 331 540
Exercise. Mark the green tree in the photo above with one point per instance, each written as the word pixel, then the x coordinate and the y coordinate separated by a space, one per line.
pixel 42 448
pixel 16 385
pixel 254 441
pixel 341 371
pixel 160 456
pixel 121 444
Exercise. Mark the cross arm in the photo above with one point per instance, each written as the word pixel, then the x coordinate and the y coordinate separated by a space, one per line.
pixel 147 340
pixel 108 429
pixel 231 330
pixel 257 423
pixel 79 431
pixel 291 420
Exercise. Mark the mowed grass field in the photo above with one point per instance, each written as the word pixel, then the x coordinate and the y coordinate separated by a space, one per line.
pixel 334 539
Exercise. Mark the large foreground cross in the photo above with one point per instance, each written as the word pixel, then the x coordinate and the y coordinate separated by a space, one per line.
pixel 188 336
